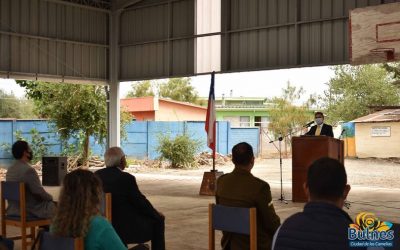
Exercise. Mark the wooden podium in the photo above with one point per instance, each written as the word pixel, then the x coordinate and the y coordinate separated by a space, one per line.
pixel 307 149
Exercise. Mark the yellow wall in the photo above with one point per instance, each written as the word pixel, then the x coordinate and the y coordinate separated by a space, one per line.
pixel 382 147
pixel 349 147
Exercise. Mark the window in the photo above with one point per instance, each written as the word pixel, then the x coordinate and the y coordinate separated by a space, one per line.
pixel 245 121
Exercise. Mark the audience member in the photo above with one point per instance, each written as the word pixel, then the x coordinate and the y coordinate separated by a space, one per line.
pixel 323 224
pixel 38 202
pixel 133 216
pixel 78 213
pixel 241 189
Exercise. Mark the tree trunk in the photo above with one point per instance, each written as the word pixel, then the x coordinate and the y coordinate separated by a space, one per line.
pixel 286 150
pixel 85 155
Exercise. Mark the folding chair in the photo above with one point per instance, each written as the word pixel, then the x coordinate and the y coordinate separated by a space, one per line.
pixel 48 241
pixel 106 206
pixel 232 219
pixel 15 191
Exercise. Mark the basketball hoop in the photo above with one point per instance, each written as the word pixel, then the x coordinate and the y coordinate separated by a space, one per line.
pixel 389 52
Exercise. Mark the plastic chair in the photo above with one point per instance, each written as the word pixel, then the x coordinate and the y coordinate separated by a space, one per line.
pixel 15 191
pixel 49 241
pixel 106 206
pixel 232 219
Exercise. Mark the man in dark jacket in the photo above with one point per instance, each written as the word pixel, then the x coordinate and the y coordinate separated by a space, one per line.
pixel 133 217
pixel 321 128
pixel 241 189
pixel 323 224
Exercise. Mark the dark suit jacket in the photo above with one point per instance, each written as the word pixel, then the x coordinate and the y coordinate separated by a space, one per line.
pixel 326 130
pixel 132 214
pixel 241 189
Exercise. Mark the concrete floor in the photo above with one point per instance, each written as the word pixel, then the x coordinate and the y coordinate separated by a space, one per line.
pixel 375 188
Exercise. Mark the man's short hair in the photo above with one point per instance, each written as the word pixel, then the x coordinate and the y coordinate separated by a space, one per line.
pixel 18 149
pixel 326 179
pixel 113 156
pixel 319 113
pixel 242 154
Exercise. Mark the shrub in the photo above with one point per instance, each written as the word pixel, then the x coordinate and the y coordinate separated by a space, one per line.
pixel 179 151
pixel 37 144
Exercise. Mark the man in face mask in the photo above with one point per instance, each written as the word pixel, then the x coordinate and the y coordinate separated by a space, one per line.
pixel 320 128
pixel 39 203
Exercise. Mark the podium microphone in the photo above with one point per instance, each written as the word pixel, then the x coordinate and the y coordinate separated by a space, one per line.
pixel 308 124
pixel 340 136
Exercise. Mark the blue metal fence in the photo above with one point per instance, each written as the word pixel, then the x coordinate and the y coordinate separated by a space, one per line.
pixel 142 137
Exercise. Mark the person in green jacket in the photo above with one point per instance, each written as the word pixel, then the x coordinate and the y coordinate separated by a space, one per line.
pixel 241 189
pixel 78 213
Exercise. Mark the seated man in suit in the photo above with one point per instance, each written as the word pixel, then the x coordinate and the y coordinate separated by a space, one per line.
pixel 241 189
pixel 38 202
pixel 321 128
pixel 133 216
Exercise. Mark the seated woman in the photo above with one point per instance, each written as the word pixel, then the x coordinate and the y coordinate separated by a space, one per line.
pixel 78 213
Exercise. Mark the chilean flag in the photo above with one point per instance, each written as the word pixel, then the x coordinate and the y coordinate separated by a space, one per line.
pixel 211 120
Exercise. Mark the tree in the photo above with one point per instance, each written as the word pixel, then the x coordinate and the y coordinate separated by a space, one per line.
pixel 285 117
pixel 179 89
pixel 394 70
pixel 13 107
pixel 354 88
pixel 75 109
pixel 139 89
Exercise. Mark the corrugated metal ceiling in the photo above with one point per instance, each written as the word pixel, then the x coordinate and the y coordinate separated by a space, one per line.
pixel 70 39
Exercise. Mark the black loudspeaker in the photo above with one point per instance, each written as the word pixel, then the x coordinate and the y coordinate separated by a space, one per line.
pixel 53 170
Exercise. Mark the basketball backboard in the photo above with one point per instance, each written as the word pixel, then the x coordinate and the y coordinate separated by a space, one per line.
pixel 375 34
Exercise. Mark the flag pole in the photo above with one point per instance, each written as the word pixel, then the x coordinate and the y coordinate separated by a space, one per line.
pixel 213 160
pixel 209 182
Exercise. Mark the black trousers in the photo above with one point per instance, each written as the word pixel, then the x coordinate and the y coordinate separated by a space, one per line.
pixel 148 230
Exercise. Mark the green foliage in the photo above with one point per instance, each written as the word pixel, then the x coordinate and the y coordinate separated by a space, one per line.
pixel 37 144
pixel 354 88
pixel 141 89
pixel 394 70
pixel 178 89
pixel 13 107
pixel 75 109
pixel 76 148
pixel 180 151
pixel 285 117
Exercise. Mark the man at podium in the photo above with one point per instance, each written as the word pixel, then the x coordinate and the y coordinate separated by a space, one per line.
pixel 321 128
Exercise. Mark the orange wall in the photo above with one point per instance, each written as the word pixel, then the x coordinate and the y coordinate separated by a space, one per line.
pixel 169 111
pixel 144 116
pixel 138 104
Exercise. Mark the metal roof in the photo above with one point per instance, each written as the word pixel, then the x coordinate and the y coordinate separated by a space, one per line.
pixel 104 4
pixel 106 41
pixel 386 115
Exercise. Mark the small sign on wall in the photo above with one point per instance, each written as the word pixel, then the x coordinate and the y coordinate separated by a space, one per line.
pixel 380 131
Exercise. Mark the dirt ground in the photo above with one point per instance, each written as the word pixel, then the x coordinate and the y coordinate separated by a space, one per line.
pixel 375 188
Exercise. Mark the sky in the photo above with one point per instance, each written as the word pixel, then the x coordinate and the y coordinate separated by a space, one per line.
pixel 267 83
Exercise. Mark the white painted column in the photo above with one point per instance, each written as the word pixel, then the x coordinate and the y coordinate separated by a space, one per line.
pixel 114 114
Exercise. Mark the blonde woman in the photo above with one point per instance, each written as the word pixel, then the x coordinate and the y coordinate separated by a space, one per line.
pixel 78 213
